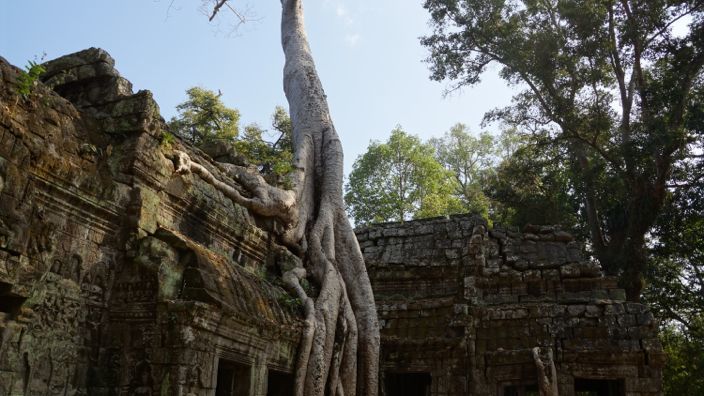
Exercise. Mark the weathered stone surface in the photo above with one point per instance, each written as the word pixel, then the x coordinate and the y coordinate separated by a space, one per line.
pixel 116 275
pixel 470 317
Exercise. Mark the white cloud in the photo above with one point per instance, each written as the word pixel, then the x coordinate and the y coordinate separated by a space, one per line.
pixel 343 13
pixel 352 39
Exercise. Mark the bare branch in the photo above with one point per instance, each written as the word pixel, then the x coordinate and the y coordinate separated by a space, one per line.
pixel 216 9
pixel 239 15
pixel 672 22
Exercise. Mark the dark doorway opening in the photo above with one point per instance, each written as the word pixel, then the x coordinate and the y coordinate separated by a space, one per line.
pixel 233 379
pixel 598 387
pixel 520 390
pixel 407 384
pixel 279 384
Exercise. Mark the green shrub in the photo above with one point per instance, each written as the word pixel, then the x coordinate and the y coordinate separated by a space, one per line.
pixel 27 80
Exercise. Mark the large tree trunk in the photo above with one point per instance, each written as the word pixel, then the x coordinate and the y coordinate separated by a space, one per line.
pixel 623 252
pixel 339 351
pixel 345 303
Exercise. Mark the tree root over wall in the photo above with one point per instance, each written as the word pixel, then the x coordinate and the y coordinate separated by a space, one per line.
pixel 339 351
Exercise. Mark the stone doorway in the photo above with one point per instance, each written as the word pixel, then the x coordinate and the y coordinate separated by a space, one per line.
pixel 407 384
pixel 528 389
pixel 233 379
pixel 279 383
pixel 598 387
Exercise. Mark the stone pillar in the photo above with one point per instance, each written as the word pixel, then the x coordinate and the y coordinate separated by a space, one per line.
pixel 258 379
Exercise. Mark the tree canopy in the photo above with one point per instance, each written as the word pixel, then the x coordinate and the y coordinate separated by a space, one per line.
pixel 532 185
pixel 609 83
pixel 470 160
pixel 491 176
pixel 399 180
pixel 274 156
pixel 204 117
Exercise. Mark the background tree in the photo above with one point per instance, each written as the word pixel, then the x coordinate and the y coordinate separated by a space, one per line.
pixel 606 81
pixel 203 117
pixel 532 186
pixel 683 373
pixel 397 181
pixel 471 161
pixel 676 270
pixel 675 275
pixel 273 156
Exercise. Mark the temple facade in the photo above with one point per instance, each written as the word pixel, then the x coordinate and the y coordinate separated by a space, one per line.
pixel 120 277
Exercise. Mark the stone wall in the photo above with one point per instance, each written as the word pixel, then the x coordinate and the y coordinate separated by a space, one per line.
pixel 118 277
pixel 467 305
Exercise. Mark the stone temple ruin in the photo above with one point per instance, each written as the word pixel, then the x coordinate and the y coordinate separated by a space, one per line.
pixel 120 277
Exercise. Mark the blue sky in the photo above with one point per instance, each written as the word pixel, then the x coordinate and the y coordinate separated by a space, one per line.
pixel 367 53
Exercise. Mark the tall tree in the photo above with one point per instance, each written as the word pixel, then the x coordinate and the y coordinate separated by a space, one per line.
pixel 470 160
pixel 204 117
pixel 609 81
pixel 339 352
pixel 399 180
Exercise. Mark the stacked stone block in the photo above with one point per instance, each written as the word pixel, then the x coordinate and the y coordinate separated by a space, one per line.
pixel 118 276
pixel 468 305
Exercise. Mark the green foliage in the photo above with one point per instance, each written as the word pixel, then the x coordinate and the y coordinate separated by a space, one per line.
pixel 532 186
pixel 675 289
pixel 471 160
pixel 501 178
pixel 275 160
pixel 399 180
pixel 606 83
pixel 203 117
pixel 684 370
pixel 28 78
pixel 290 302
pixel 167 139
pixel 676 271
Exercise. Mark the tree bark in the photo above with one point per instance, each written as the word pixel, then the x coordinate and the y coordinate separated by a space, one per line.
pixel 547 381
pixel 339 350
pixel 345 305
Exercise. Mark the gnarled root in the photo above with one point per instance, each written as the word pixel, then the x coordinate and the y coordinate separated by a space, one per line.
pixel 292 279
pixel 339 351
pixel 265 199
pixel 547 384
pixel 341 319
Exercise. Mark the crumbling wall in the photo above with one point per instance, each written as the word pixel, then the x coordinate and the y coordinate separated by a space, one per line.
pixel 118 276
pixel 468 305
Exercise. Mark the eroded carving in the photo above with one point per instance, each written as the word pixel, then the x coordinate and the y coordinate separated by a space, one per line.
pixel 42 233
pixel 7 234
